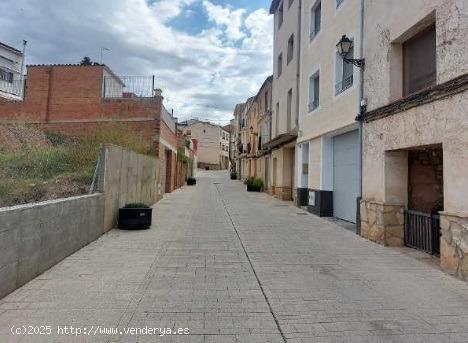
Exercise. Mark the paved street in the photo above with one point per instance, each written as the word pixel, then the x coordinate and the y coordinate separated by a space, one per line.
pixel 232 266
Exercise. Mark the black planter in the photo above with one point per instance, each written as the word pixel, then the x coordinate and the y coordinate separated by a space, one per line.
pixel 135 218
pixel 233 176
pixel 251 188
pixel 191 181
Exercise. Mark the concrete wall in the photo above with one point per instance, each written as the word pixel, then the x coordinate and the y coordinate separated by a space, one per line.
pixel 128 177
pixel 34 237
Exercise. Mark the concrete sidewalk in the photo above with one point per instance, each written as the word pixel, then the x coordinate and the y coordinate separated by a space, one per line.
pixel 232 266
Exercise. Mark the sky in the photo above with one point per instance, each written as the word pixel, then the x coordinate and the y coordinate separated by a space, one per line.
pixel 206 55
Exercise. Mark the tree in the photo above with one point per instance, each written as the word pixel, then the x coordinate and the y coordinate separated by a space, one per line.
pixel 86 61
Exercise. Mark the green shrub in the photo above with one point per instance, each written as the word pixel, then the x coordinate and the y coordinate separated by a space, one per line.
pixel 136 205
pixel 258 184
pixel 249 181
pixel 255 183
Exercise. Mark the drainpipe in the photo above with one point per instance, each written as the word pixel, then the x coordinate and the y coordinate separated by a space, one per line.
pixel 361 109
pixel 25 42
pixel 298 72
pixel 298 84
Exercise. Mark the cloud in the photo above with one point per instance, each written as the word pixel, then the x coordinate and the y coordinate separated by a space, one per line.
pixel 169 9
pixel 231 20
pixel 202 74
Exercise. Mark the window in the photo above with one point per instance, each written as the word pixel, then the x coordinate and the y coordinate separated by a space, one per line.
pixel 338 3
pixel 290 3
pixel 344 73
pixel 280 64
pixel 290 48
pixel 315 19
pixel 314 91
pixel 289 110
pixel 419 62
pixel 6 76
pixel 280 15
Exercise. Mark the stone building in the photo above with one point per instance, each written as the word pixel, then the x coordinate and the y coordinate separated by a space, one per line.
pixel 415 130
pixel 285 96
pixel 328 144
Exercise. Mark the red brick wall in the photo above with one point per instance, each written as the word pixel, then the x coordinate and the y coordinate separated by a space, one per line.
pixel 68 100
pixel 58 93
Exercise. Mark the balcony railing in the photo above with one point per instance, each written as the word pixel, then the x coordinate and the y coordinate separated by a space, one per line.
pixel 343 85
pixel 128 86
pixel 13 89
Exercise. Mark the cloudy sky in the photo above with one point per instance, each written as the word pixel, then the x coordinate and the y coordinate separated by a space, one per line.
pixel 207 55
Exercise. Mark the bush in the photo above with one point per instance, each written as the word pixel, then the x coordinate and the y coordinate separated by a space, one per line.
pixel 136 205
pixel 254 183
pixel 258 184
pixel 249 181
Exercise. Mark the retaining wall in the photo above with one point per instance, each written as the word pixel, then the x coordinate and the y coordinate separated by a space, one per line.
pixel 35 237
pixel 127 177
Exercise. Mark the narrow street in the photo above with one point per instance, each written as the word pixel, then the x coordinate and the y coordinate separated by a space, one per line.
pixel 232 266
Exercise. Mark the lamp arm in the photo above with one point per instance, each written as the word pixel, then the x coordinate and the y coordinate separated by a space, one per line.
pixel 360 63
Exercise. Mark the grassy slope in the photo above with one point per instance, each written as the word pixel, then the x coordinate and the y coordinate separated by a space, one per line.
pixel 60 169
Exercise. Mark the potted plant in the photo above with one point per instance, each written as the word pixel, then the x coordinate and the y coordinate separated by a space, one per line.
pixel 135 216
pixel 254 184
pixel 233 175
pixel 191 181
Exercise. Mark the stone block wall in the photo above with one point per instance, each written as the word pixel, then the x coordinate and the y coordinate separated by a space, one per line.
pixel 454 245
pixel 382 223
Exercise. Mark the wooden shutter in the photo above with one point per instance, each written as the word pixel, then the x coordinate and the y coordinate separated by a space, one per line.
pixel 419 62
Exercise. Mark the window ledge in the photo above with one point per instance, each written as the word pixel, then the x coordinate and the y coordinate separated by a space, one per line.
pixel 428 95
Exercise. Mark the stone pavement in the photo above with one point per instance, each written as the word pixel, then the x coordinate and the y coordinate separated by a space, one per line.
pixel 232 266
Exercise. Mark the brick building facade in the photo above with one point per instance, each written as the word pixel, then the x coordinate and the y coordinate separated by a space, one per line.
pixel 74 100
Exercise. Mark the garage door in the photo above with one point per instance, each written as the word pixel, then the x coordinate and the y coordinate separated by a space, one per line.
pixel 345 175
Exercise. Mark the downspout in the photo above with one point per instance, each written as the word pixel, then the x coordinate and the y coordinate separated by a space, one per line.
pixel 298 72
pixel 298 85
pixel 361 109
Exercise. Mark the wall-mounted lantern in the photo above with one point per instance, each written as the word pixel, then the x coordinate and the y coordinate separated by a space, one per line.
pixel 344 47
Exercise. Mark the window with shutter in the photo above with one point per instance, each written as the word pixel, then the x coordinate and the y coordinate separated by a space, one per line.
pixel 419 62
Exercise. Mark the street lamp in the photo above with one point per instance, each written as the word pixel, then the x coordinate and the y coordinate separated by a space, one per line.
pixel 343 47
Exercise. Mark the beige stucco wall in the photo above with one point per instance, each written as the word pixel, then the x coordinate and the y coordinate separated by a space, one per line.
pixel 209 138
pixel 334 111
pixel 444 121
pixel 288 79
pixel 315 151
pixel 385 33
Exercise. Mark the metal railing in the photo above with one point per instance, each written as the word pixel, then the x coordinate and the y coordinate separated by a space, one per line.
pixel 422 231
pixel 128 86
pixel 14 88
pixel 343 85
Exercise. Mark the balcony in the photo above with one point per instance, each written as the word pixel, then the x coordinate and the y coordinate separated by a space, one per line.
pixel 12 89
